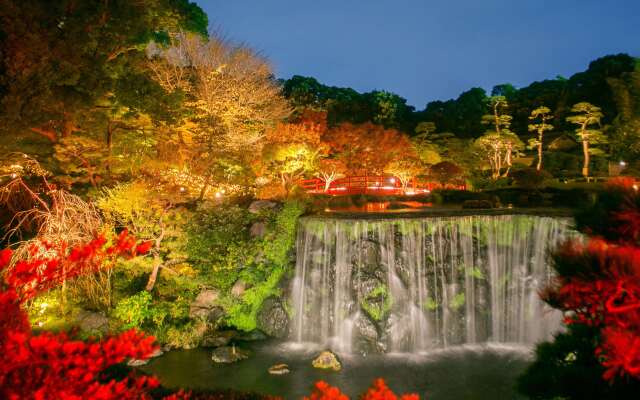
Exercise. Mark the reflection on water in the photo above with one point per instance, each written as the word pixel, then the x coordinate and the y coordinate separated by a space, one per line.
pixel 461 373
pixel 381 207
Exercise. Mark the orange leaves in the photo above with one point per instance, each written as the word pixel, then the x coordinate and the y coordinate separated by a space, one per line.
pixel 367 147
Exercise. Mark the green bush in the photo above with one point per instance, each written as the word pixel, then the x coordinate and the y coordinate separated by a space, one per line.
pixel 133 311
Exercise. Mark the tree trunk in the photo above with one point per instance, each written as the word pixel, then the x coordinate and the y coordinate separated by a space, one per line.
pixel 585 166
pixel 539 166
pixel 151 282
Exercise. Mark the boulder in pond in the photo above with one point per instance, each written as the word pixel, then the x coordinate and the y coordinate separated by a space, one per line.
pixel 218 338
pixel 279 369
pixel 273 318
pixel 328 361
pixel 138 362
pixel 229 354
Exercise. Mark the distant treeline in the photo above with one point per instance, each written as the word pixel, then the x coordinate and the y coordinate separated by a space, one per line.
pixel 608 82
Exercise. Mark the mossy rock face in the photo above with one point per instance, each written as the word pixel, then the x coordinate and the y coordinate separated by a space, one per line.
pixel 273 319
pixel 327 361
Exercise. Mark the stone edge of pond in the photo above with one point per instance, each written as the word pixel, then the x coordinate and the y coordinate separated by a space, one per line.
pixel 444 212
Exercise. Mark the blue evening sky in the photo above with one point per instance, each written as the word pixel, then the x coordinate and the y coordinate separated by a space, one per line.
pixel 428 50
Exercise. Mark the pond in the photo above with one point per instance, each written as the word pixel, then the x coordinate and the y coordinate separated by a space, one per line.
pixel 461 373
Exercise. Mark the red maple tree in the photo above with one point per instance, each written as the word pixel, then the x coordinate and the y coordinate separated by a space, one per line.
pixel 55 365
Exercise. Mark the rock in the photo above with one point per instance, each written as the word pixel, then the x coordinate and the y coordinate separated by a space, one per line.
pixel 258 230
pixel 218 338
pixel 229 354
pixel 206 298
pixel 368 340
pixel 137 363
pixel 273 318
pixel 279 369
pixel 239 288
pixel 327 360
pixel 253 336
pixel 260 205
pixel 90 321
pixel 204 306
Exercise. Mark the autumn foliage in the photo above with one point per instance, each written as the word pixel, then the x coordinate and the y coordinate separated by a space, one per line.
pixel 598 282
pixel 55 365
pixel 378 391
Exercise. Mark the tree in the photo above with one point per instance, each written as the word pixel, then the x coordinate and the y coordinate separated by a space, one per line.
pixel 150 216
pixel 585 116
pixel 446 172
pixel 65 62
pixel 499 145
pixel 366 148
pixel 54 365
pixel 405 169
pixel 540 115
pixel 231 97
pixel 329 169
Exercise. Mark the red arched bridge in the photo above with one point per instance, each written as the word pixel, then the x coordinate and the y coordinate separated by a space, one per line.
pixel 367 184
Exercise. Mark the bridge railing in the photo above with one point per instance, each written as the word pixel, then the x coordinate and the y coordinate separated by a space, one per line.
pixel 368 184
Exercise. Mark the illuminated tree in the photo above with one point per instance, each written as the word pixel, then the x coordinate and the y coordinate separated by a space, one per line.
pixel 367 148
pixel 329 169
pixel 498 146
pixel 150 216
pixel 427 143
pixel 585 116
pixel 405 169
pixel 231 97
pixel 540 115
pixel 293 149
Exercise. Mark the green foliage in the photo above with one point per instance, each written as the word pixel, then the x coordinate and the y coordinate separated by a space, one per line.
pixel 377 303
pixel 457 301
pixel 223 252
pixel 133 311
pixel 431 304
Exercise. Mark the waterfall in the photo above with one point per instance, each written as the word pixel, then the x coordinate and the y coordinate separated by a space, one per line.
pixel 415 284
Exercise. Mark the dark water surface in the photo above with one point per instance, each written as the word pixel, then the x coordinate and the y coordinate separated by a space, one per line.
pixel 462 373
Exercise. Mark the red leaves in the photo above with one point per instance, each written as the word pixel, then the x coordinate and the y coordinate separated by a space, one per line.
pixel 144 248
pixel 378 391
pixel 47 269
pixel 324 391
pixel 54 366
pixel 605 293
pixel 621 353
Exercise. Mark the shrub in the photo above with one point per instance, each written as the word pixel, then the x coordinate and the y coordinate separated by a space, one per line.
pixel 530 178
pixel 133 311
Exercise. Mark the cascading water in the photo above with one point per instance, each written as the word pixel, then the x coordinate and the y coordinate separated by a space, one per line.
pixel 410 285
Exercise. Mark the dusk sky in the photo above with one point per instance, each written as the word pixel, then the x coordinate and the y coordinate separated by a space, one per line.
pixel 426 50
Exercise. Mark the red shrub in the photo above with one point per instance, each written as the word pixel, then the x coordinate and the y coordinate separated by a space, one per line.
pixel 379 391
pixel 600 287
pixel 54 366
